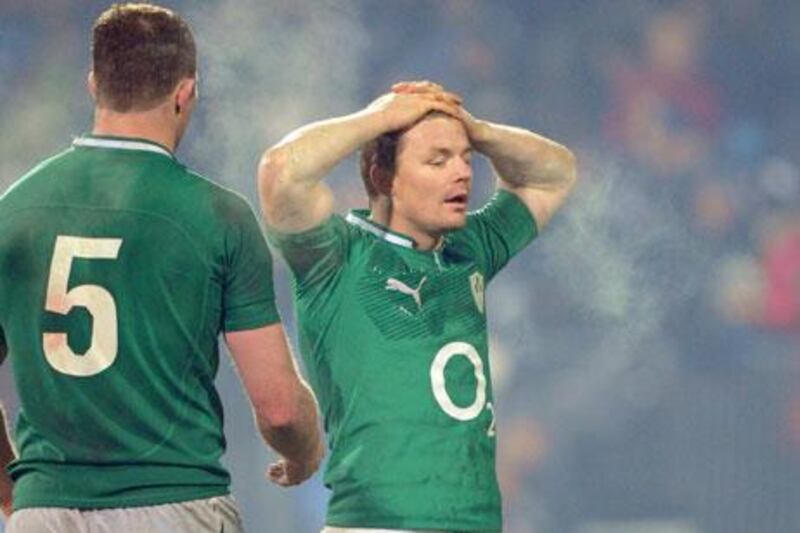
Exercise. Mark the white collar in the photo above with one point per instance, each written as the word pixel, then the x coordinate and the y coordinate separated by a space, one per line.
pixel 379 231
pixel 121 144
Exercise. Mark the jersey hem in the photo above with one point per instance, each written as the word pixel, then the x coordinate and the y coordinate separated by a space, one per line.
pixel 252 323
pixel 107 503
pixel 394 523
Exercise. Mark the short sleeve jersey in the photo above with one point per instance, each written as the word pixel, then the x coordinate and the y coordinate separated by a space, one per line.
pixel 119 268
pixel 395 342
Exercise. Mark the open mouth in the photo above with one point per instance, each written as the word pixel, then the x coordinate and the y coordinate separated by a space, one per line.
pixel 457 199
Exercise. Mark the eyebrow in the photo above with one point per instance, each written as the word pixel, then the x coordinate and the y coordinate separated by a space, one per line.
pixel 447 151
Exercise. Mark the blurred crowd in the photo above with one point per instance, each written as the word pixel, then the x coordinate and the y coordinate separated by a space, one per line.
pixel 646 350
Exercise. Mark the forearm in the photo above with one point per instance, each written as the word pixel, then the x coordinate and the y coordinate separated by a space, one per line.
pixel 307 155
pixel 522 158
pixel 297 438
pixel 284 407
pixel 293 196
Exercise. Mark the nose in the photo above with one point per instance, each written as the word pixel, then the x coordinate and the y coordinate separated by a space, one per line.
pixel 463 169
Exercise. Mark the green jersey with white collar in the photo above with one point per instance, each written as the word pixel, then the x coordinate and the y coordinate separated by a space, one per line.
pixel 119 267
pixel 395 342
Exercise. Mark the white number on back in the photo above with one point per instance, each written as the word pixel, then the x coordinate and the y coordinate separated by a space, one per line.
pixel 97 301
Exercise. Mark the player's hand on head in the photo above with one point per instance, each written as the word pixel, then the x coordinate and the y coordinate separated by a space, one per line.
pixel 400 109
pixel 476 129
pixel 427 87
pixel 472 125
pixel 416 86
pixel 422 86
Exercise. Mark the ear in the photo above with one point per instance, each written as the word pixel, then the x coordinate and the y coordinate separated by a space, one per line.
pixel 184 94
pixel 91 84
pixel 381 180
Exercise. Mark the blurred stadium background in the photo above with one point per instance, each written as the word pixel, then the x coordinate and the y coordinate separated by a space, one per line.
pixel 646 349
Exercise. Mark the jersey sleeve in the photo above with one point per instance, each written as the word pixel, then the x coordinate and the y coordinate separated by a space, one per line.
pixel 500 230
pixel 248 292
pixel 315 255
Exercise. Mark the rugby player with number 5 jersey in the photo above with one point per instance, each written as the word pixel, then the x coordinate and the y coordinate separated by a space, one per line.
pixel 120 268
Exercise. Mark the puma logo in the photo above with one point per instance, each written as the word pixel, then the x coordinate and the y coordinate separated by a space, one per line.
pixel 397 285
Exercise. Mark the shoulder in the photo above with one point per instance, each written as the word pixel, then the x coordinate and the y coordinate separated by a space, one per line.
pixel 334 228
pixel 504 210
pixel 495 233
pixel 504 213
pixel 224 202
pixel 502 201
pixel 315 255
pixel 24 187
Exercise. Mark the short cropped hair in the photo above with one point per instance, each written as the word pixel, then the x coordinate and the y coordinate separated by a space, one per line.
pixel 382 153
pixel 139 54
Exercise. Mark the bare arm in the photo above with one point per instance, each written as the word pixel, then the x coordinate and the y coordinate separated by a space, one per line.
pixel 539 171
pixel 285 408
pixel 293 196
pixel 7 453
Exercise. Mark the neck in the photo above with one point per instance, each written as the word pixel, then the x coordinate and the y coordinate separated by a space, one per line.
pixel 382 213
pixel 151 125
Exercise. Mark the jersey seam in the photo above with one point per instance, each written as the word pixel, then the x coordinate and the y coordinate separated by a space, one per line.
pixel 109 209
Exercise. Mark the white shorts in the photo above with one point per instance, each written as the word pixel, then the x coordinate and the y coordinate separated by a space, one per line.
pixel 212 515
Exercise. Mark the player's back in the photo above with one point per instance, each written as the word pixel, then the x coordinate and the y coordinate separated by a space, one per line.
pixel 112 272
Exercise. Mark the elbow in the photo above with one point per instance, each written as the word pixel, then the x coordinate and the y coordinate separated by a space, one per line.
pixel 280 412
pixel 272 172
pixel 278 416
pixel 274 183
pixel 283 419
pixel 568 171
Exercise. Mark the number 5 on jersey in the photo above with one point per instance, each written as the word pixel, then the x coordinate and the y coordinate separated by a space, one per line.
pixel 95 299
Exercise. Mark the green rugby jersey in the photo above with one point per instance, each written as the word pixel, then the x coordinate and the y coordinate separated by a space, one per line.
pixel 395 342
pixel 118 270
